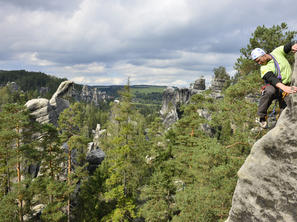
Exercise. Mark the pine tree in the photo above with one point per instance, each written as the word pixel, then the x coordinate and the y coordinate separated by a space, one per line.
pixel 71 122
pixel 18 149
pixel 158 192
pixel 124 161
pixel 48 186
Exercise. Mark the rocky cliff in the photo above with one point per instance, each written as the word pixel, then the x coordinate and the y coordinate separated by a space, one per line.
pixel 266 189
pixel 91 95
pixel 174 98
pixel 47 111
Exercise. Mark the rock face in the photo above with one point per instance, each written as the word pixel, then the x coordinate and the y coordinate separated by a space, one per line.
pixel 199 84
pixel 92 95
pixel 47 111
pixel 266 190
pixel 218 84
pixel 173 99
pixel 95 155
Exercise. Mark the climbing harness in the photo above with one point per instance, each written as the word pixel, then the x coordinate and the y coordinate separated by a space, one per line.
pixel 276 65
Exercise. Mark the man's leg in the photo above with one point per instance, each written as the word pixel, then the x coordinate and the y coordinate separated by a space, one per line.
pixel 268 95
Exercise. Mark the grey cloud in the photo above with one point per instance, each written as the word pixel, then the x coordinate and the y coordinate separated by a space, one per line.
pixel 208 34
pixel 51 5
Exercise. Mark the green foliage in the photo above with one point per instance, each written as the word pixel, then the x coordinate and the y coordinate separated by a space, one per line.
pixel 117 180
pixel 220 73
pixel 71 124
pixel 16 150
pixel 204 162
pixel 8 207
pixel 125 159
pixel 93 116
pixel 211 180
pixel 51 192
pixel 31 81
pixel 147 89
pixel 7 95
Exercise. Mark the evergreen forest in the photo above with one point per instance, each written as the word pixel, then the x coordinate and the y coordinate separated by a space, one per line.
pixel 149 173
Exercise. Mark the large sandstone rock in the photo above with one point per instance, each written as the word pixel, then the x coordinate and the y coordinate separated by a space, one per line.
pixel 266 190
pixel 48 111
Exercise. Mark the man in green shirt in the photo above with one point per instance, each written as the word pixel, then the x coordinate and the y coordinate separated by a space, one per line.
pixel 276 72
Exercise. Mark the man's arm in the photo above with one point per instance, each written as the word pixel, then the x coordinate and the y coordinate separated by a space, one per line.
pixel 270 78
pixel 287 89
pixel 291 46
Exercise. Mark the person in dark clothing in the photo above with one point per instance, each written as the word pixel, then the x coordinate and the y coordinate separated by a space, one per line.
pixel 276 72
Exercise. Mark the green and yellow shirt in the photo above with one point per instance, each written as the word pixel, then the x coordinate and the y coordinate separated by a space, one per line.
pixel 285 67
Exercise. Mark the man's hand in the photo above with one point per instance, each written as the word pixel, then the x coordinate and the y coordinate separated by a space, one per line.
pixel 287 89
pixel 294 48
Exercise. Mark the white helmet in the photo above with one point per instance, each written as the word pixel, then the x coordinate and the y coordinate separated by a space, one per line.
pixel 257 52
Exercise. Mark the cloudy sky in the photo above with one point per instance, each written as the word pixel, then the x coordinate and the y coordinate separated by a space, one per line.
pixel 159 42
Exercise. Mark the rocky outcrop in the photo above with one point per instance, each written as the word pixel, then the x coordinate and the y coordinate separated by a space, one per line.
pixel 48 111
pixel 92 95
pixel 199 84
pixel 89 94
pixel 173 99
pixel 95 155
pixel 266 189
pixel 13 86
pixel 218 84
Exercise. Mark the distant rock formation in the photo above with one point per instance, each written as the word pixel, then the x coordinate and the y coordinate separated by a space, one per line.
pixel 218 84
pixel 199 84
pixel 48 111
pixel 92 95
pixel 216 87
pixel 266 190
pixel 173 99
pixel 13 86
pixel 95 155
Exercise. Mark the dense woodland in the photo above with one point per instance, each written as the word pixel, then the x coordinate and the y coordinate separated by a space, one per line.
pixel 149 173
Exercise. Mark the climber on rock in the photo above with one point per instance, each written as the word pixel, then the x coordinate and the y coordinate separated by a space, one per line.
pixel 276 72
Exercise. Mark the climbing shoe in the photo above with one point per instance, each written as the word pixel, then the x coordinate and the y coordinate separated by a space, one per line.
pixel 263 123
